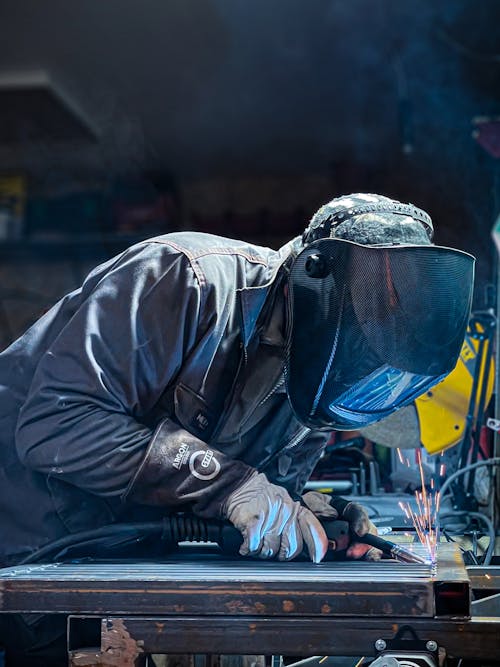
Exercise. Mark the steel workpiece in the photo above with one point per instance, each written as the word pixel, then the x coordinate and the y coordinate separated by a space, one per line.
pixel 210 586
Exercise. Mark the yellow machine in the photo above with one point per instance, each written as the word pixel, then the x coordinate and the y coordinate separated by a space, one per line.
pixel 438 419
pixel 442 411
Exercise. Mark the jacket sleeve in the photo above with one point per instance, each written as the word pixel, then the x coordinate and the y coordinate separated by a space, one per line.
pixel 306 458
pixel 107 368
pixel 179 467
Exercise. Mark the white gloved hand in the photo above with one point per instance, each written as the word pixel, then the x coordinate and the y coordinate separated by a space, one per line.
pixel 272 524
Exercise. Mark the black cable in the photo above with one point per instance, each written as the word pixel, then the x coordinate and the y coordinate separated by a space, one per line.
pixel 447 536
pixel 489 462
pixel 489 525
pixel 171 530
pixel 112 530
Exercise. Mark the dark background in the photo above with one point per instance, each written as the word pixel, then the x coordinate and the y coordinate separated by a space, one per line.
pixel 127 118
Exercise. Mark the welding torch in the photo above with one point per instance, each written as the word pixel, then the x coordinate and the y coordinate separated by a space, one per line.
pixel 173 529
pixel 340 537
pixel 337 531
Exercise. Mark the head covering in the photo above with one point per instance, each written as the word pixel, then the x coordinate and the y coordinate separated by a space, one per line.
pixel 370 220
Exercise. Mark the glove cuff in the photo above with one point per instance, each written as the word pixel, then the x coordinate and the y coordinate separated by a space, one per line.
pixel 179 468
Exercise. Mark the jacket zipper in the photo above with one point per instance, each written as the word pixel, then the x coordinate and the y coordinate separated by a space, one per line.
pixel 297 439
pixel 278 384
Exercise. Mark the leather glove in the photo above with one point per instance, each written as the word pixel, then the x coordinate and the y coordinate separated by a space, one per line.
pixel 272 524
pixel 334 507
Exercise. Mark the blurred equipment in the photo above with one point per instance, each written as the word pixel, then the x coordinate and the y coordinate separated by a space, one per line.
pixel 12 205
pixel 487 134
pixel 452 411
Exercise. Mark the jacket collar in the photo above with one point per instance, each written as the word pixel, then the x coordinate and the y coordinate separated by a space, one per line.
pixel 252 301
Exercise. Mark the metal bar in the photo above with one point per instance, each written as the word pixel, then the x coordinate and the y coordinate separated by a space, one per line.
pixel 489 606
pixel 476 638
pixel 108 643
pixel 224 571
pixel 205 598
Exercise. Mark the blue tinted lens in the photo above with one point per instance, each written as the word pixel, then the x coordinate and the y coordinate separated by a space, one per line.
pixel 383 391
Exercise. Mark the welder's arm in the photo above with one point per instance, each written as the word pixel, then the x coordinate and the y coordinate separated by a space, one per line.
pixel 179 468
pixel 109 366
pixel 179 465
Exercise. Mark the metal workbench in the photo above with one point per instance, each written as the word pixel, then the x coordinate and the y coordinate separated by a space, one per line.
pixel 207 605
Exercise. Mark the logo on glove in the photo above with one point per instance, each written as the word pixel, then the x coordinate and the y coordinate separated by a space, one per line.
pixel 207 468
pixel 181 457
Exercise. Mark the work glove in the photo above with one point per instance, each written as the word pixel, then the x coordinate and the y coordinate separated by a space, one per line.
pixel 272 524
pixel 334 507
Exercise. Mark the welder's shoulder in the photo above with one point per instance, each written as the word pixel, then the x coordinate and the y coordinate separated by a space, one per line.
pixel 213 256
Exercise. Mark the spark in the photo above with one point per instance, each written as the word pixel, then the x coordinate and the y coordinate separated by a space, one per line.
pixel 487 576
pixel 400 454
pixel 424 515
pixel 404 508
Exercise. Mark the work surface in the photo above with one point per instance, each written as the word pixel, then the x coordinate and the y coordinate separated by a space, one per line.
pixel 202 604
pixel 210 586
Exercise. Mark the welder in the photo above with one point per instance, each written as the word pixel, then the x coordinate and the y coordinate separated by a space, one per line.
pixel 203 373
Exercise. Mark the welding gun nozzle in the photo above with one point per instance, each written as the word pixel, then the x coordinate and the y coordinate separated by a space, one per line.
pixel 391 549
pixel 400 553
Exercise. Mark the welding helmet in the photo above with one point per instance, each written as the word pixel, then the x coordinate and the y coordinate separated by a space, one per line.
pixel 371 327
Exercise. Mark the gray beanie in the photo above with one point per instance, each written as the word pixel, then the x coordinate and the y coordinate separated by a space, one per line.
pixel 370 219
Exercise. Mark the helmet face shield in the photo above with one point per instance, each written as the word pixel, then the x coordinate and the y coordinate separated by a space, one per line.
pixel 372 327
pixel 378 395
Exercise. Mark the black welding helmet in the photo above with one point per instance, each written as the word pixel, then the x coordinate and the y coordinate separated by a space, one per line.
pixel 371 327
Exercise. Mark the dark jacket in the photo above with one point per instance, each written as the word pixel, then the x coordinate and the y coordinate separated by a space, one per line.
pixel 158 382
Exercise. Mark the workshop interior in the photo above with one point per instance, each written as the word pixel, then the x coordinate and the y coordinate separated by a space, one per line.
pixel 122 121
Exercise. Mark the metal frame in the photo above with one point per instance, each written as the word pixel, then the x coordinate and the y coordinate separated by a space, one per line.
pixel 242 607
pixel 474 639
